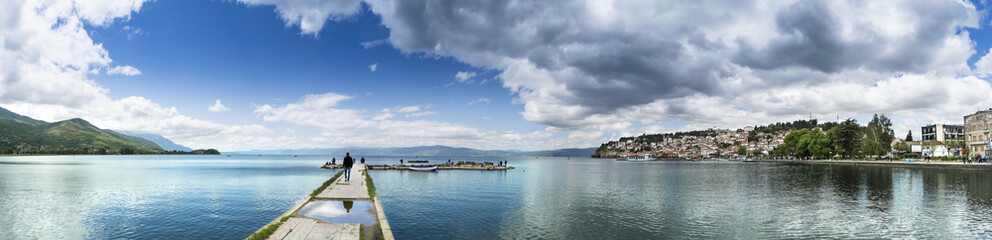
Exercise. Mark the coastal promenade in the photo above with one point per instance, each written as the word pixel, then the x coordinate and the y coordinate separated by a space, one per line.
pixel 893 163
pixel 294 225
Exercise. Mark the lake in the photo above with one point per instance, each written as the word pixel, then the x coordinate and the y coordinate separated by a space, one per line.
pixel 216 197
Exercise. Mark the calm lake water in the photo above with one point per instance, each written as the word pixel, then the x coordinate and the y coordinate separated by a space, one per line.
pixel 216 197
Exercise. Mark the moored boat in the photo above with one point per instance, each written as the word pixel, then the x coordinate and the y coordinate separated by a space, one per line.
pixel 640 157
pixel 423 168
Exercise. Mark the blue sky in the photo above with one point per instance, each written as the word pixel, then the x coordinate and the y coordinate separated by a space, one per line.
pixel 488 75
pixel 193 52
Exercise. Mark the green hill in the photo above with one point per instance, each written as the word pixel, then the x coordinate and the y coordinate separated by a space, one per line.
pixel 23 135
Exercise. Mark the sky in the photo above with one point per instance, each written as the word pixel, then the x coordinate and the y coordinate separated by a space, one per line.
pixel 509 75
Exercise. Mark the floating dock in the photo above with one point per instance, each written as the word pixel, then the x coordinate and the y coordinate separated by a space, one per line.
pixel 293 224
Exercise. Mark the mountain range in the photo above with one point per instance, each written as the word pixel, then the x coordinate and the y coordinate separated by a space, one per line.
pixel 20 134
pixel 163 142
pixel 427 151
pixel 24 135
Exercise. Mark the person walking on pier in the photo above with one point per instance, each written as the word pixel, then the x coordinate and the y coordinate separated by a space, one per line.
pixel 334 161
pixel 348 161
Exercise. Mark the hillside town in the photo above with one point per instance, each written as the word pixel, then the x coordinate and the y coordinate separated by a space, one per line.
pixel 709 143
pixel 971 139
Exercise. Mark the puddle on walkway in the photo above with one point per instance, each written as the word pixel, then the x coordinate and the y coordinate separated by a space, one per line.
pixel 340 211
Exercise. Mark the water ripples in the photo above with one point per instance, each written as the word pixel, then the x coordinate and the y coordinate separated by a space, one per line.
pixel 604 199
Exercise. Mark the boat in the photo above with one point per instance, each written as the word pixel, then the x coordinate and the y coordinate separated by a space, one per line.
pixel 640 157
pixel 417 161
pixel 423 168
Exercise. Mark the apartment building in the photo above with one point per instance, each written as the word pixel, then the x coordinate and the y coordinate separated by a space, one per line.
pixel 942 132
pixel 977 129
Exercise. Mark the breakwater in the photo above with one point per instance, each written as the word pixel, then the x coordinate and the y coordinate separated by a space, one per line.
pixel 455 166
pixel 341 208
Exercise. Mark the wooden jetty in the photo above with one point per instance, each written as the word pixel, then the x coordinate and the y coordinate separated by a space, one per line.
pixel 292 225
pixel 461 165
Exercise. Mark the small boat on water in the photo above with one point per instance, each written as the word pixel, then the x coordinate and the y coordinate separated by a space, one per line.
pixel 423 168
pixel 640 157
pixel 417 161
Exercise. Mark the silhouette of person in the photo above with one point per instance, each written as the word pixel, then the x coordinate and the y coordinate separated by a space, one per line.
pixel 333 161
pixel 363 160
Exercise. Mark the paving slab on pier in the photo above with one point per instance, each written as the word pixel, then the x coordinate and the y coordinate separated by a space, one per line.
pixel 298 228
pixel 354 189
pixel 303 228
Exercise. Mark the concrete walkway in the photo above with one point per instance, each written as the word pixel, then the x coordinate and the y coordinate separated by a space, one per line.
pixel 305 228
pixel 354 189
pixel 308 228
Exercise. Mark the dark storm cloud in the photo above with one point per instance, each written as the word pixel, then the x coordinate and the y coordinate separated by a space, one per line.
pixel 611 67
pixel 811 37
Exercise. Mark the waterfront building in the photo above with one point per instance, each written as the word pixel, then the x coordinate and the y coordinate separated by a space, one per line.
pixel 977 129
pixel 942 132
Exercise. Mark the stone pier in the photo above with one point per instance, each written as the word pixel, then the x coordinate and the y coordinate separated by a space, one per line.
pixel 292 225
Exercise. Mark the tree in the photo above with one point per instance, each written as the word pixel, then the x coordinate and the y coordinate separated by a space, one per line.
pixel 902 147
pixel 805 143
pixel 742 150
pixel 909 137
pixel 788 146
pixel 878 136
pixel 845 137
pixel 814 144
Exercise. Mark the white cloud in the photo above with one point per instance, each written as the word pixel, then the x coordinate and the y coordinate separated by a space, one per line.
pixel 480 100
pixel 316 111
pixel 373 67
pixel 984 65
pixel 372 44
pixel 218 107
pixel 463 77
pixel 133 32
pixel 343 127
pixel 124 70
pixel 48 55
pixel 310 15
pixel 420 114
pixel 406 109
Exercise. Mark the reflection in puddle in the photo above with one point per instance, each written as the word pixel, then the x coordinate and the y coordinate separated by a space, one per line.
pixel 340 211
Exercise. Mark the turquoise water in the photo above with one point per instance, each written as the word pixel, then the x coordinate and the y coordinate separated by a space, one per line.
pixel 215 197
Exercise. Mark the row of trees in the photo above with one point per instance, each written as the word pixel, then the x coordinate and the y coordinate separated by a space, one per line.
pixel 845 139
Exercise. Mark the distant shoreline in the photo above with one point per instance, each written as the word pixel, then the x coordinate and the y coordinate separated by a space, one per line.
pixel 893 163
pixel 50 155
